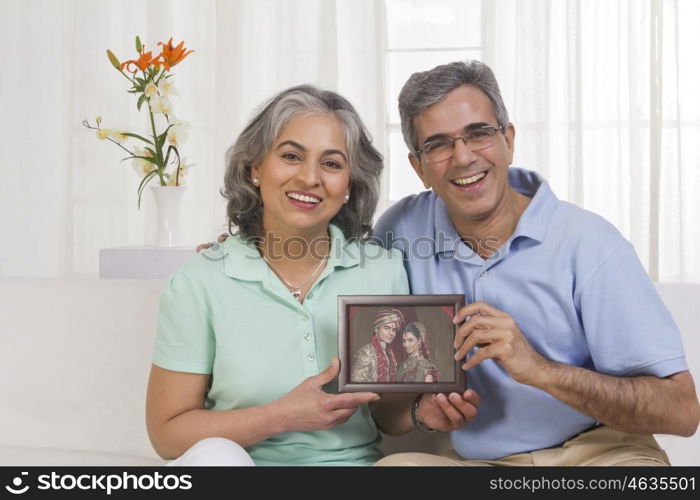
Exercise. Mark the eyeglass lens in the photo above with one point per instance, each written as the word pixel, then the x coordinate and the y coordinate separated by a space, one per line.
pixel 443 149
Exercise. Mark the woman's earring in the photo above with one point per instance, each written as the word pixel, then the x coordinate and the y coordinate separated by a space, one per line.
pixel 347 197
pixel 256 181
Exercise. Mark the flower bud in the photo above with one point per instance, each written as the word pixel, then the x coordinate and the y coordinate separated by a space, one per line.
pixel 113 59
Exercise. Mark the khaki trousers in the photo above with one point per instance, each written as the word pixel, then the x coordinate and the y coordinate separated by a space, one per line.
pixel 601 446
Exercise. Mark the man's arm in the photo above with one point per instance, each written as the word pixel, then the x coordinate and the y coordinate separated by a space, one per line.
pixel 643 404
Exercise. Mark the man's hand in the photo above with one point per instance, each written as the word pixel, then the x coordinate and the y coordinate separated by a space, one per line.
pixel 222 237
pixel 308 408
pixel 498 337
pixel 448 412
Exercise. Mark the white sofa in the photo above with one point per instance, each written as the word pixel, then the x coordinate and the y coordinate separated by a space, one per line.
pixel 75 356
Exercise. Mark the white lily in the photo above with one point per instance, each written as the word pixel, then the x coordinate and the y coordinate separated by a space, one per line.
pixel 166 87
pixel 184 168
pixel 178 133
pixel 150 89
pixel 160 104
pixel 118 135
pixel 141 166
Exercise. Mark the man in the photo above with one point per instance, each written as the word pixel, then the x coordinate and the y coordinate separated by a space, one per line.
pixel 375 361
pixel 572 358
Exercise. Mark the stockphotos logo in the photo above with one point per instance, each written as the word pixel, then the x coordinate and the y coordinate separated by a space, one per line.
pixel 102 482
pixel 17 488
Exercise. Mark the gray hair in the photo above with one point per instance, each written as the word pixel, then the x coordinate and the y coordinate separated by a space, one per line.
pixel 423 89
pixel 245 206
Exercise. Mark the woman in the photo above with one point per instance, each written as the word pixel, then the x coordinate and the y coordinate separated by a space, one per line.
pixel 244 330
pixel 417 366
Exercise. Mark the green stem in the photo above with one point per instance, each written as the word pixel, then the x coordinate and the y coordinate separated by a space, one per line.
pixel 124 75
pixel 177 172
pixel 158 78
pixel 117 143
pixel 159 152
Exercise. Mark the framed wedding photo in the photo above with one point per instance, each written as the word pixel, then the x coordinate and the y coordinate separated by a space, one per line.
pixel 399 343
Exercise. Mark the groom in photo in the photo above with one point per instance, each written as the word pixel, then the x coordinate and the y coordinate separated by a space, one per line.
pixel 375 361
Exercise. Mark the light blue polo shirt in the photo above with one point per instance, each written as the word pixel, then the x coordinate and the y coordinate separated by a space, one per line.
pixel 227 314
pixel 574 286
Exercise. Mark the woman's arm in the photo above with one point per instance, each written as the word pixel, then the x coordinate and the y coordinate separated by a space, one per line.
pixel 176 418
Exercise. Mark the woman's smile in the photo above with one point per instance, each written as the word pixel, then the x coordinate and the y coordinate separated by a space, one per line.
pixel 303 200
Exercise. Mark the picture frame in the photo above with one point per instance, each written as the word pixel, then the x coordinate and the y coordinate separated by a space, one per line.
pixel 419 358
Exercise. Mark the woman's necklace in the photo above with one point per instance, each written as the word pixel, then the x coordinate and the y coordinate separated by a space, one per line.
pixel 296 289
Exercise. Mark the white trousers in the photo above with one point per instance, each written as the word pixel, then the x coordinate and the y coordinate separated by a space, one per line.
pixel 214 451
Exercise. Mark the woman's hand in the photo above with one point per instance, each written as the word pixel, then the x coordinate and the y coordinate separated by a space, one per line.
pixel 308 408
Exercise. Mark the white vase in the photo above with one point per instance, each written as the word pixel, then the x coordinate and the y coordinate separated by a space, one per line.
pixel 168 200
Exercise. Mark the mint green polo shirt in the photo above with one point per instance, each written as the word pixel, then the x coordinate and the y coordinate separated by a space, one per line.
pixel 227 314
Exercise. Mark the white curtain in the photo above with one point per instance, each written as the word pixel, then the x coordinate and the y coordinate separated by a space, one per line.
pixel 604 97
pixel 64 194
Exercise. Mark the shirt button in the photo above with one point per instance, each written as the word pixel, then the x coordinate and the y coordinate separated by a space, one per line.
pixel 483 274
pixel 307 336
pixel 310 357
pixel 305 317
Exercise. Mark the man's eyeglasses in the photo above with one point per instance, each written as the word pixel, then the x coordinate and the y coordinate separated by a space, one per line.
pixel 442 148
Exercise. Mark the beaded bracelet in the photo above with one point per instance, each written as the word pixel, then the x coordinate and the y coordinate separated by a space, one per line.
pixel 414 416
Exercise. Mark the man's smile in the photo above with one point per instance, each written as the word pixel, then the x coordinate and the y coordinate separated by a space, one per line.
pixel 467 181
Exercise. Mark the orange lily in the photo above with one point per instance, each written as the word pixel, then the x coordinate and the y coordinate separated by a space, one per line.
pixel 144 60
pixel 170 56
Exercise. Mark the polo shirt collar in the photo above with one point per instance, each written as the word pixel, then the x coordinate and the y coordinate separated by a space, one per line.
pixel 344 253
pixel 533 222
pixel 243 261
pixel 535 219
